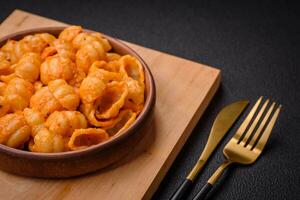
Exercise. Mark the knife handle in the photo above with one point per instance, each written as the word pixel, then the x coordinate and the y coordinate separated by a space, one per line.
pixel 212 180
pixel 203 192
pixel 182 190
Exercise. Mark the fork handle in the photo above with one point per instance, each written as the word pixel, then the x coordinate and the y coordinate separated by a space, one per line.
pixel 212 180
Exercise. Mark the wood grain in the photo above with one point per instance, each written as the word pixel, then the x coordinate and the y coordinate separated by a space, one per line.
pixel 184 89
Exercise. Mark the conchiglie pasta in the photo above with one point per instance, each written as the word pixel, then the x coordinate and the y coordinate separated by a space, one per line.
pixel 17 94
pixel 57 67
pixel 14 131
pixel 122 122
pixel 85 38
pixel 105 71
pixel 89 53
pixel 35 119
pixel 89 110
pixel 28 68
pixel 62 48
pixel 78 77
pixel 112 100
pixel 14 50
pixel 46 141
pixel 83 138
pixel 46 37
pixel 64 93
pixel 4 108
pixel 68 34
pixel 131 67
pixel 65 122
pixel 44 101
pixel 5 65
pixel 90 89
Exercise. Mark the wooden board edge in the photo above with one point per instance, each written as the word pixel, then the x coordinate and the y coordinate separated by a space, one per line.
pixel 180 143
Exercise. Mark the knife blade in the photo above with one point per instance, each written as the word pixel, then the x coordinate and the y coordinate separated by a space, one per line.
pixel 223 122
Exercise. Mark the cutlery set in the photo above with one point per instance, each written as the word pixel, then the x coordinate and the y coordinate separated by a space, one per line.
pixel 244 148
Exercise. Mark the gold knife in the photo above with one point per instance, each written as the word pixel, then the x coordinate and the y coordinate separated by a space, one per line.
pixel 223 122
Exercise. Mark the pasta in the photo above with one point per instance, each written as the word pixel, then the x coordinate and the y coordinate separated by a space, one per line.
pixel 66 93
pixel 28 68
pixel 44 101
pixel 82 138
pixel 87 54
pixel 47 141
pixel 122 122
pixel 5 65
pixel 62 48
pixel 57 67
pixel 58 95
pixel 68 34
pixel 14 131
pixel 65 122
pixel 35 119
pixel 17 94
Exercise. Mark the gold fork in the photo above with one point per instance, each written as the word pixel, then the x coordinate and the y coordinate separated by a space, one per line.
pixel 248 142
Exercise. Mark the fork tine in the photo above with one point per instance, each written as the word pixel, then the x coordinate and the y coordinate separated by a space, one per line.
pixel 261 126
pixel 254 124
pixel 245 123
pixel 265 136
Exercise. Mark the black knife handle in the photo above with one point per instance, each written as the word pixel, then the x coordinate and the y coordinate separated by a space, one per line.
pixel 203 192
pixel 182 190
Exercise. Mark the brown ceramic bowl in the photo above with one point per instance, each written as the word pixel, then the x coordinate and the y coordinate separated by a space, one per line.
pixel 74 163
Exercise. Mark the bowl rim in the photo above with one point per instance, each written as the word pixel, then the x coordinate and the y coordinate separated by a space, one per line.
pixel 148 106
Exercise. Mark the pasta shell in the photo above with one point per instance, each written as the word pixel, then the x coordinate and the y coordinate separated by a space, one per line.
pixel 57 67
pixel 61 47
pixel 5 65
pixel 104 71
pixel 112 57
pixel 46 37
pixel 83 138
pixel 64 93
pixel 44 101
pixel 33 43
pixel 4 108
pixel 137 108
pixel 28 68
pixel 112 100
pixel 65 122
pixel 14 49
pixel 131 67
pixel 89 53
pixel 90 89
pixel 122 122
pixel 14 131
pixel 89 111
pixel 136 91
pixel 34 119
pixel 85 38
pixel 46 141
pixel 68 34
pixel 18 93
pixel 77 78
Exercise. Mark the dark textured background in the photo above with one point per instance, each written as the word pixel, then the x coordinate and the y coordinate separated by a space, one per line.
pixel 256 45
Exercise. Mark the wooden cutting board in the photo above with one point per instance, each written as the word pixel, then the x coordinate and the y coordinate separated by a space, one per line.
pixel 184 89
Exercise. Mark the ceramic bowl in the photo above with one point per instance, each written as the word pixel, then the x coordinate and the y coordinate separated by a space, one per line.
pixel 74 163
